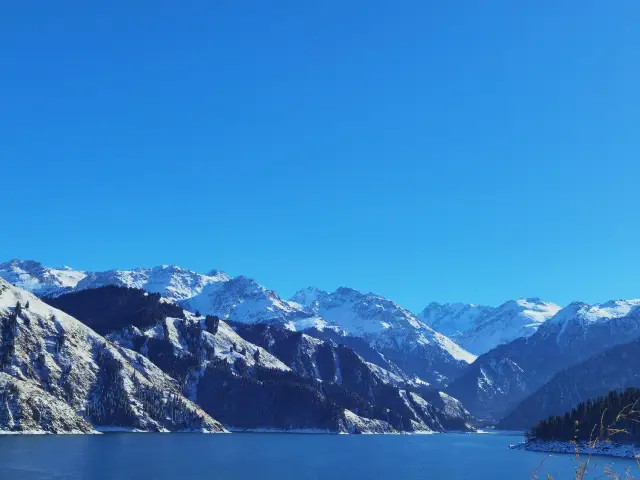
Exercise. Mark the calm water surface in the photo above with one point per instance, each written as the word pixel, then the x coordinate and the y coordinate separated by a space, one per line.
pixel 278 456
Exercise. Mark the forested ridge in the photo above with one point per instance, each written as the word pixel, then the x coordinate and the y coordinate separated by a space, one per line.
pixel 614 417
pixel 119 307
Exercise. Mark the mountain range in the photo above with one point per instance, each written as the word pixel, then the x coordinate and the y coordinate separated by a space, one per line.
pixel 342 361
pixel 115 357
pixel 392 330
pixel 479 328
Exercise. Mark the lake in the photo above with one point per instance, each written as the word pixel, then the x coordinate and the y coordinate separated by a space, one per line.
pixel 250 456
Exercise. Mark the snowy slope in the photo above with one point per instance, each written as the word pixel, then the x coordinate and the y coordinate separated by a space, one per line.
pixel 479 329
pixel 580 317
pixel 242 299
pixel 26 408
pixel 225 345
pixel 453 319
pixel 322 360
pixel 104 383
pixel 511 320
pixel 373 316
pixel 309 296
pixel 357 424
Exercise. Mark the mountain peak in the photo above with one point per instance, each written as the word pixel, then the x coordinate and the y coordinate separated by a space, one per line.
pixel 307 296
pixel 530 300
pixel 218 274
pixel 19 263
pixel 348 291
pixel 585 313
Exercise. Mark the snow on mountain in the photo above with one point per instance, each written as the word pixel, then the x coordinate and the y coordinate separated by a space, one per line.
pixel 308 296
pixel 41 280
pixel 225 345
pixel 479 329
pixel 581 315
pixel 393 330
pixel 498 380
pixel 373 316
pixel 453 319
pixel 242 299
pixel 511 320
pixel 26 408
pixel 172 282
pixel 322 360
pixel 105 384
pixel 384 324
pixel 357 424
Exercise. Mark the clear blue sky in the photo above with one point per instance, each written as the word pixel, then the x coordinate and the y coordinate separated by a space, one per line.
pixel 424 150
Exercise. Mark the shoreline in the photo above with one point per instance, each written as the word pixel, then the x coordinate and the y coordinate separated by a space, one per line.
pixel 609 449
pixel 108 430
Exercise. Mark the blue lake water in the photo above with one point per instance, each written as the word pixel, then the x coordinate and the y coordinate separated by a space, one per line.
pixel 279 456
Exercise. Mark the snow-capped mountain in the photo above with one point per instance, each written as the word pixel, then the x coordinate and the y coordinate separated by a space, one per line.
pixel 36 278
pixel 479 329
pixel 498 380
pixel 107 385
pixel 579 318
pixel 391 329
pixel 242 299
pixel 172 282
pixel 215 293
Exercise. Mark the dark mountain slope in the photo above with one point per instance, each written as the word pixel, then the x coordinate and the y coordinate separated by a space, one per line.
pixel 119 307
pixel 500 379
pixel 613 370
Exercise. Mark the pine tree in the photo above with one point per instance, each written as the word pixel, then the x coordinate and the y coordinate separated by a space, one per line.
pixel 211 324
